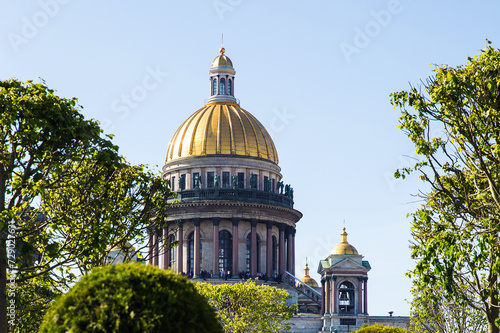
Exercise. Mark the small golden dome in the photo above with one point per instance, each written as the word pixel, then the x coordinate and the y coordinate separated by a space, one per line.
pixel 222 129
pixel 222 60
pixel 307 279
pixel 344 247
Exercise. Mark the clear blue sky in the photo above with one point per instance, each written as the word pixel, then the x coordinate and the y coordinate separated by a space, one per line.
pixel 317 74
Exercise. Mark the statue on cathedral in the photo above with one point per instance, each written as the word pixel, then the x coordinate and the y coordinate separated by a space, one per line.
pixel 216 181
pixel 197 181
pixel 280 187
pixel 269 184
pixel 253 181
pixel 287 190
pixel 235 181
pixel 182 183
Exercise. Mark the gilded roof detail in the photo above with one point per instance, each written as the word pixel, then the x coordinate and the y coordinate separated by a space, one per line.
pixel 222 60
pixel 344 247
pixel 222 128
pixel 307 279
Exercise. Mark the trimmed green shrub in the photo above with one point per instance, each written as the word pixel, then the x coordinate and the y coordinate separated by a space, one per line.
pixel 377 328
pixel 131 298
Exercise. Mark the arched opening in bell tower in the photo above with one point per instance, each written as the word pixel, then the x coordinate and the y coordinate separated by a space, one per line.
pixel 346 298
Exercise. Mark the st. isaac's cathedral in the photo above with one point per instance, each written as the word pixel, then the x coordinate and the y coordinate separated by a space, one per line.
pixel 234 217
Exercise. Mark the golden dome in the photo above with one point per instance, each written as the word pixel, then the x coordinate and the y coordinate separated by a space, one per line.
pixel 222 129
pixel 222 60
pixel 344 247
pixel 307 279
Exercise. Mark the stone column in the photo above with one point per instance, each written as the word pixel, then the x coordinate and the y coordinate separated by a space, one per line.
pixel 166 248
pixel 235 271
pixel 328 295
pixel 269 252
pixel 215 253
pixel 334 294
pixel 293 251
pixel 253 248
pixel 180 246
pixel 289 251
pixel 156 247
pixel 150 247
pixel 323 297
pixel 197 245
pixel 366 296
pixel 360 295
pixel 282 250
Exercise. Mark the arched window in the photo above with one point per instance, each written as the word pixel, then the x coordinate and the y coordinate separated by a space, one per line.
pixel 249 252
pixel 222 87
pixel 225 251
pixel 230 87
pixel 275 257
pixel 214 87
pixel 190 254
pixel 346 297
pixel 173 253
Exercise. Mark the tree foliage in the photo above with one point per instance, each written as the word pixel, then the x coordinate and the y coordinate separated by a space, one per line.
pixel 455 127
pixel 66 196
pixel 249 307
pixel 131 298
pixel 377 328
pixel 431 312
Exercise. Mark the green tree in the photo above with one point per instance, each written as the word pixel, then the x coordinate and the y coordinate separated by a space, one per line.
pixel 66 197
pixel 455 127
pixel 249 307
pixel 431 312
pixel 377 328
pixel 131 298
pixel 32 298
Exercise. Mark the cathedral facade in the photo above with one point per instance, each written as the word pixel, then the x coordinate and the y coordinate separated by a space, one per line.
pixel 233 214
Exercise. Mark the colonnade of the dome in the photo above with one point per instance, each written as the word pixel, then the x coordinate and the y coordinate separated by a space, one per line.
pixel 225 247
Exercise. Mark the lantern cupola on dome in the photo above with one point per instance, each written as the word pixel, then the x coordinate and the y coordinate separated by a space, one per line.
pixel 222 79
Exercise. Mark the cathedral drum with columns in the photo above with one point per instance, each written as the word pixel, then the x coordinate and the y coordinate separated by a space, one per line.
pixel 233 215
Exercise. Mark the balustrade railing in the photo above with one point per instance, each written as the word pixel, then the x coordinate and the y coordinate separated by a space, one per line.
pixel 235 194
pixel 302 288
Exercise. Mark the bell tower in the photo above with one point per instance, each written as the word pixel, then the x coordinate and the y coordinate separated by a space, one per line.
pixel 344 277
